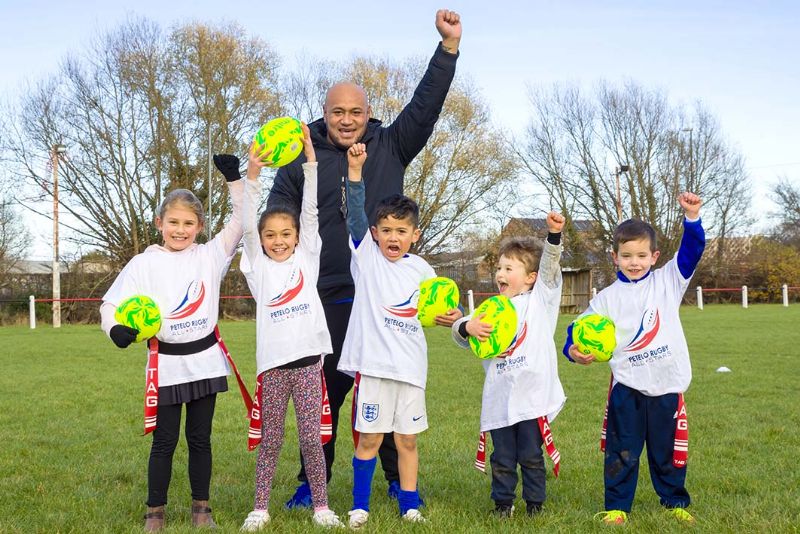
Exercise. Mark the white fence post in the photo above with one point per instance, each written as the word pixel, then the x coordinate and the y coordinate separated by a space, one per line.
pixel 32 310
pixel 471 301
pixel 744 296
pixel 594 292
pixel 785 291
pixel 700 297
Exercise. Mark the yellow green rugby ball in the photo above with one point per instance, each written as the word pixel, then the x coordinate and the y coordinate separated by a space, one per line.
pixel 284 137
pixel 437 296
pixel 595 334
pixel 501 314
pixel 141 313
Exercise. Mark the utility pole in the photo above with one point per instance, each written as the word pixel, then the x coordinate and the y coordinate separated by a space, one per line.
pixel 690 182
pixel 619 170
pixel 56 153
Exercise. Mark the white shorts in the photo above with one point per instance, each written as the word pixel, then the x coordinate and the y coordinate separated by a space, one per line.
pixel 386 405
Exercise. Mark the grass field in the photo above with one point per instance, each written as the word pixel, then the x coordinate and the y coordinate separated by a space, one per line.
pixel 73 459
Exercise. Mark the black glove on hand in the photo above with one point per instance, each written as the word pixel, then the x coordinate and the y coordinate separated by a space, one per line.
pixel 122 336
pixel 228 165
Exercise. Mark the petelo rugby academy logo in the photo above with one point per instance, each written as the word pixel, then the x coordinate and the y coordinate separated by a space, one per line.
pixel 518 340
pixel 287 295
pixel 192 300
pixel 404 309
pixel 648 329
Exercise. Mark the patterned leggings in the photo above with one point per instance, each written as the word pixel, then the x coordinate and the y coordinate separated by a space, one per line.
pixel 304 385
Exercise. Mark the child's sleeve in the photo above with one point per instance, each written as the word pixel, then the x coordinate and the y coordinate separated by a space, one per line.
pixel 357 224
pixel 693 243
pixel 309 214
pixel 124 286
pixel 231 233
pixel 252 241
pixel 460 335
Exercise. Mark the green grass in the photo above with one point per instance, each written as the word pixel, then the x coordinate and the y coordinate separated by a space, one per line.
pixel 73 459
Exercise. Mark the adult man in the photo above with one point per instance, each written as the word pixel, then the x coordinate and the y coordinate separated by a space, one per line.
pixel 346 120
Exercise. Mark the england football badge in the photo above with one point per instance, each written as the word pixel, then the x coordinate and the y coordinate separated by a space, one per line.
pixel 369 412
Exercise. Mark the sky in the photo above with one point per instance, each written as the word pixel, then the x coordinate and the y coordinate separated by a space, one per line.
pixel 739 58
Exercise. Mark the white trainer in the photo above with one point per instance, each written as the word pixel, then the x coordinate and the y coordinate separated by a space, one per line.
pixel 255 521
pixel 358 518
pixel 327 519
pixel 413 516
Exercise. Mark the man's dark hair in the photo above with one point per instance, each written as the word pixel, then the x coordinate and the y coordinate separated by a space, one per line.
pixel 632 230
pixel 399 207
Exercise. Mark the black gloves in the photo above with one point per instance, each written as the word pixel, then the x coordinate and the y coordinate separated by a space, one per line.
pixel 122 336
pixel 228 165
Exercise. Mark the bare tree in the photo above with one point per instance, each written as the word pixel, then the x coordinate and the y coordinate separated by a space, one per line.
pixel 135 112
pixel 13 239
pixel 578 145
pixel 786 196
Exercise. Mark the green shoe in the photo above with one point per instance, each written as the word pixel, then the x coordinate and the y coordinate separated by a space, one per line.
pixel 681 514
pixel 612 517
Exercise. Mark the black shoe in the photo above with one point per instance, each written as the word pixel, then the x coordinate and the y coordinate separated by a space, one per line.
pixel 533 508
pixel 503 511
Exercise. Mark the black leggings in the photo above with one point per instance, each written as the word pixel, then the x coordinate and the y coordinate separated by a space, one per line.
pixel 339 385
pixel 199 414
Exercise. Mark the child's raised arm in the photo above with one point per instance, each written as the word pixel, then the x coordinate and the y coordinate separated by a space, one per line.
pixel 309 213
pixel 357 223
pixel 252 241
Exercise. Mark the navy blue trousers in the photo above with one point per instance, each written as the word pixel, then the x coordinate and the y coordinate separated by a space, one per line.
pixel 521 444
pixel 633 420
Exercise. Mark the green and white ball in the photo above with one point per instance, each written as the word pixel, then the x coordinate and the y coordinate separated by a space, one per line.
pixel 501 314
pixel 284 137
pixel 141 313
pixel 595 334
pixel 437 296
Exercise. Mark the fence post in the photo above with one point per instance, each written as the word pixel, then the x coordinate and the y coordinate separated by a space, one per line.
pixel 594 292
pixel 32 310
pixel 785 291
pixel 700 297
pixel 744 296
pixel 471 301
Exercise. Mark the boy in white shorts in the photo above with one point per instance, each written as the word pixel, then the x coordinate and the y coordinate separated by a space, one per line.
pixel 385 347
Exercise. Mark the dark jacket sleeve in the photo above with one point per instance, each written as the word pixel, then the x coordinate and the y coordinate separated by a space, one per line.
pixel 287 189
pixel 414 125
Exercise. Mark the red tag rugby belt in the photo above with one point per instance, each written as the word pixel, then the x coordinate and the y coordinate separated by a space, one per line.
pixel 151 375
pixel 547 438
pixel 680 447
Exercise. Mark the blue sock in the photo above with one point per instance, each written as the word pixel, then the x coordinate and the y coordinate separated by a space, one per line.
pixel 362 482
pixel 408 500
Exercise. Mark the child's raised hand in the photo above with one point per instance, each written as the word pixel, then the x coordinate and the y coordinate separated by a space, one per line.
pixel 308 147
pixel 254 161
pixel 356 156
pixel 555 222
pixel 691 204
pixel 579 357
pixel 449 318
pixel 478 329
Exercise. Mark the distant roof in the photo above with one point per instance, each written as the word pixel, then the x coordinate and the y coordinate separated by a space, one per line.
pixel 541 224
pixel 34 267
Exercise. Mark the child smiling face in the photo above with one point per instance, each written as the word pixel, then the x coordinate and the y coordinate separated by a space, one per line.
pixel 512 277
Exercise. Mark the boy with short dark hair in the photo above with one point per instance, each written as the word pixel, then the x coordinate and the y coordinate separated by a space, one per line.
pixel 522 393
pixel 385 347
pixel 650 366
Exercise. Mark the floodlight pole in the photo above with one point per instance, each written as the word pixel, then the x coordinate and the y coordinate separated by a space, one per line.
pixel 57 151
